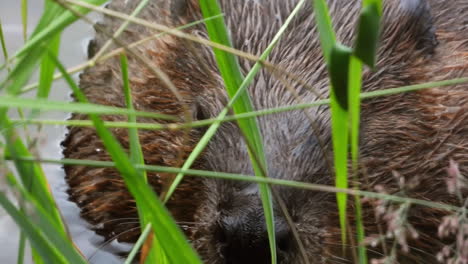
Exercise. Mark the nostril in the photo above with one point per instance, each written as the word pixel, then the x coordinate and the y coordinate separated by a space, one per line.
pixel 242 240
pixel 220 235
pixel 245 240
pixel 284 243
pixel 284 240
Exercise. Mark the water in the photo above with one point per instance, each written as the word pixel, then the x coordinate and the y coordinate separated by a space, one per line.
pixel 72 53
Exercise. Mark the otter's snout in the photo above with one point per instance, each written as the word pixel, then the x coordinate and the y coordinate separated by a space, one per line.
pixel 243 238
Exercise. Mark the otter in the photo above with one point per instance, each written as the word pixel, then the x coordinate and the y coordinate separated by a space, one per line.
pixel 404 138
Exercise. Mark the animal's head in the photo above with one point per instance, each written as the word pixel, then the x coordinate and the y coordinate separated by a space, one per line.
pixel 297 143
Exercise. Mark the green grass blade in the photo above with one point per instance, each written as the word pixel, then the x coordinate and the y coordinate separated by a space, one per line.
pixel 54 24
pixel 121 29
pixel 202 143
pixel 136 157
pixel 339 71
pixel 263 112
pixel 85 108
pixel 339 68
pixel 21 248
pixel 24 18
pixel 250 178
pixel 175 245
pixel 136 248
pixel 52 11
pixel 31 174
pixel 368 32
pixel 325 28
pixel 46 75
pixel 378 4
pixel 229 65
pixel 21 73
pixel 337 58
pixel 365 50
pixel 34 49
pixel 355 83
pixel 109 54
pixel 2 41
pixel 229 68
pixel 48 227
pixel 49 253
pixel 215 123
pixel 136 154
pixel 33 178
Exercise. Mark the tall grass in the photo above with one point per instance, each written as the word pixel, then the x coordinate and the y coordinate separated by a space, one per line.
pixel 162 240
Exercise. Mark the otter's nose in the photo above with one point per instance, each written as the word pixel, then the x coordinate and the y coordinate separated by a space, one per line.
pixel 244 239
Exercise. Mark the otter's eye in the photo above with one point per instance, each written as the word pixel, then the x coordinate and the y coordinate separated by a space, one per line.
pixel 198 113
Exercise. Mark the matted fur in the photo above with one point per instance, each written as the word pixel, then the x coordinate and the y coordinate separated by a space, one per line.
pixel 411 134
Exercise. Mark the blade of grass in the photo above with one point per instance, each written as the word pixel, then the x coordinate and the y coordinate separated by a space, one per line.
pixel 37 239
pixel 47 68
pixel 21 248
pixel 232 76
pixel 46 223
pixel 368 32
pixel 365 50
pixel 263 112
pixel 175 245
pixel 255 144
pixel 339 67
pixel 136 154
pixel 55 21
pixel 113 53
pixel 325 28
pixel 2 41
pixel 34 49
pixel 138 244
pixel 51 12
pixel 136 157
pixel 248 178
pixel 121 29
pixel 24 18
pixel 85 108
pixel 337 59
pixel 31 174
pixel 46 73
pixel 355 83
pixel 212 129
pixel 229 68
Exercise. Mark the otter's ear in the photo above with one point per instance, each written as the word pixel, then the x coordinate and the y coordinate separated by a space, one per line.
pixel 420 23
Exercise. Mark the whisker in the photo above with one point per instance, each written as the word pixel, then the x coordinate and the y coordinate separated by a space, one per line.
pixel 192 223
pixel 110 240
pixel 119 219
pixel 336 259
pixel 354 247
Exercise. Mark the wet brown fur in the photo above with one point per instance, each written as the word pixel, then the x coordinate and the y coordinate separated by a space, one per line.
pixel 412 134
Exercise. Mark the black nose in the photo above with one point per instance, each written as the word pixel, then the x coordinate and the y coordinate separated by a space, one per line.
pixel 244 239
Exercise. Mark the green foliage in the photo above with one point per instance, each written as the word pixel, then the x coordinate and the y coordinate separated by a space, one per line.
pixel 345 70
pixel 230 71
pixel 40 220
pixel 151 209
